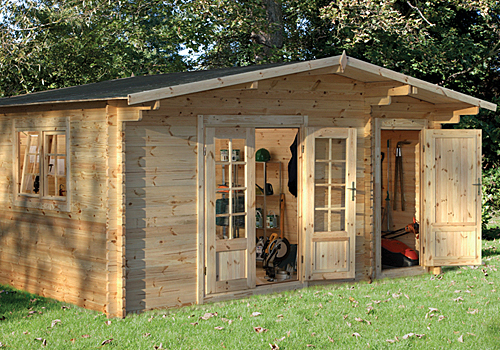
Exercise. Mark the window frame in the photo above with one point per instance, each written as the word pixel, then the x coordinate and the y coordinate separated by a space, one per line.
pixel 42 200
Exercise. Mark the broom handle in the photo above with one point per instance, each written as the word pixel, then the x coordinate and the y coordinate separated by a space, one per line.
pixel 282 214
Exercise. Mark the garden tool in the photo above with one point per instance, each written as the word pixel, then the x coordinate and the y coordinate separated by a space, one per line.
pixel 398 174
pixel 386 216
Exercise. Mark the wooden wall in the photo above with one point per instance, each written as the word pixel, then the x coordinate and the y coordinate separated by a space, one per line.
pixel 56 253
pixel 161 218
pixel 161 177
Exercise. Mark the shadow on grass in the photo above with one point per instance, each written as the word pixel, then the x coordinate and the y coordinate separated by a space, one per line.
pixel 489 251
pixel 491 233
pixel 15 304
pixel 494 332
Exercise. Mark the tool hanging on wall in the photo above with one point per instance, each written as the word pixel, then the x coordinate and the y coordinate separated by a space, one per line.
pixel 382 157
pixel 398 175
pixel 282 214
pixel 386 215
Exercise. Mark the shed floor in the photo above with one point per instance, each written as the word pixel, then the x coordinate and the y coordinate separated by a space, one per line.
pixel 261 276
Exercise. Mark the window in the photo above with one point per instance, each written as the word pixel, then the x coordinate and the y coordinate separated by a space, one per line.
pixel 42 164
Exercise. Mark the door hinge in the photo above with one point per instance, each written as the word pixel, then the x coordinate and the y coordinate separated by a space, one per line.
pixel 205 270
pixel 302 148
pixel 204 150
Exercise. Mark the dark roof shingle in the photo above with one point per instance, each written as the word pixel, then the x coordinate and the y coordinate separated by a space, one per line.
pixel 121 88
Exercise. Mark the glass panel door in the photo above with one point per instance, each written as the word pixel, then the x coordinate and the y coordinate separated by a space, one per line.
pixel 230 186
pixel 330 187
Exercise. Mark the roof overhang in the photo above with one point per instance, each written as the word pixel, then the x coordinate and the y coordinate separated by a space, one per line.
pixel 343 65
pixel 381 85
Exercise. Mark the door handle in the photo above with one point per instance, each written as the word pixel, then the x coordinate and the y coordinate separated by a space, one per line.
pixel 478 184
pixel 353 189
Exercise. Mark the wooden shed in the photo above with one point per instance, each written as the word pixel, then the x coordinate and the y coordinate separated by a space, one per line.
pixel 146 192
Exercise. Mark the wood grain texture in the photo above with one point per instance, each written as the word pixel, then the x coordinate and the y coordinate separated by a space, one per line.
pixel 132 227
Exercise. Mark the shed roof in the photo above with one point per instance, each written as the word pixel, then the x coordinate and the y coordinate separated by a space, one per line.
pixel 143 89
pixel 122 88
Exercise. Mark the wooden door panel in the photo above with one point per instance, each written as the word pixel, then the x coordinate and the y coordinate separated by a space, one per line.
pixel 454 180
pixel 230 193
pixel 329 203
pixel 331 255
pixel 231 265
pixel 452 197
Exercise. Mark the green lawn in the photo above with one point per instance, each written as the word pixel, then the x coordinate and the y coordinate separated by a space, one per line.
pixel 457 310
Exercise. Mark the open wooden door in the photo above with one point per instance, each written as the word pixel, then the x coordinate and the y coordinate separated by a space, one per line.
pixel 451 227
pixel 230 205
pixel 330 203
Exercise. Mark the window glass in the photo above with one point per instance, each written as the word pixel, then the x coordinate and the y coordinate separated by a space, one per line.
pixel 42 166
pixel 29 162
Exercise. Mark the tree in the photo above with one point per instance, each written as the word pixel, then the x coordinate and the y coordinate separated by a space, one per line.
pixel 244 32
pixel 453 43
pixel 57 43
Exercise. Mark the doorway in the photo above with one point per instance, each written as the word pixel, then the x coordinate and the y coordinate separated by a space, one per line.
pixel 248 201
pixel 276 198
pixel 400 199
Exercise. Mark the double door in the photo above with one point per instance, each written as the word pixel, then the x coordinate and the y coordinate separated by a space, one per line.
pixel 328 208
pixel 450 197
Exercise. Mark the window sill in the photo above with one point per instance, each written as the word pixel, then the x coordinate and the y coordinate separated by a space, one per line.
pixel 45 204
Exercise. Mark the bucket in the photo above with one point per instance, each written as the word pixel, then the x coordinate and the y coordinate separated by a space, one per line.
pixel 282 275
pixel 236 155
pixel 224 155
pixel 272 220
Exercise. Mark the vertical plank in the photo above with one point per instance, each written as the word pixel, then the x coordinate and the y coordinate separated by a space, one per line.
pixel 210 211
pixel 308 199
pixel 477 160
pixel 250 207
pixel 351 204
pixel 429 196
pixel 111 248
pixel 377 190
pixel 301 251
pixel 200 182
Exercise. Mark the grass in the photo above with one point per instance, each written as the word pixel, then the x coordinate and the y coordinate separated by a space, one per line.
pixel 457 310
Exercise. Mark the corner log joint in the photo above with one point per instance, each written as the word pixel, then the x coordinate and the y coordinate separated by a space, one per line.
pixel 452 116
pixel 377 94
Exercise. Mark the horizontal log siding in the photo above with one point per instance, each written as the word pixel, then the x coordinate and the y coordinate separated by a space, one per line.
pixel 58 254
pixel 161 177
pixel 161 224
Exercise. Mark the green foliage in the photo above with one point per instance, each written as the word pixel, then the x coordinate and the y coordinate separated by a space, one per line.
pixel 59 43
pixel 454 43
pixel 457 310
pixel 491 198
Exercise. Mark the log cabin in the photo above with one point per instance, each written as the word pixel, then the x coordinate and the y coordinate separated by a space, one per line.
pixel 150 191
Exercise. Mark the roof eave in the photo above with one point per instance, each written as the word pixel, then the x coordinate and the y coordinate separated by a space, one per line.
pixel 63 101
pixel 337 63
pixel 420 84
pixel 267 73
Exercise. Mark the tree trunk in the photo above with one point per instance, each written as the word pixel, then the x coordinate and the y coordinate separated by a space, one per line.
pixel 271 37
